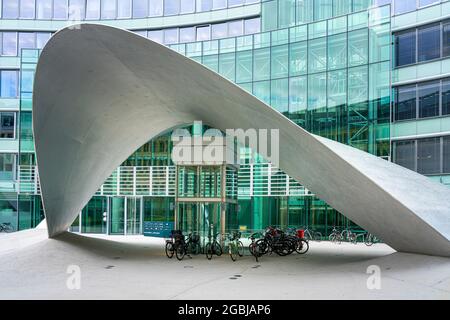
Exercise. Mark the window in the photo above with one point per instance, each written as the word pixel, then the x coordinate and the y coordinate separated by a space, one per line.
pixel 405 104
pixel 140 8
pixel 428 99
pixel 171 36
pixel 9 41
pixel 405 154
pixel 42 39
pixel 7 163
pixel 403 6
pixel 171 7
pixel 76 10
pixel 156 35
pixel 405 48
pixel 93 9
pixel 235 28
pixel 44 9
pixel 428 156
pixel 446 156
pixel 252 26
pixel 219 30
pixel 7 125
pixel 187 6
pixel 232 3
pixel 429 43
pixel 423 3
pixel 123 9
pixel 10 9
pixel 446 97
pixel 203 33
pixel 279 58
pixel 27 9
pixel 446 39
pixel 26 41
pixel 187 34
pixel 9 83
pixel 60 9
pixel 219 4
pixel 156 8
pixel 204 5
pixel 108 9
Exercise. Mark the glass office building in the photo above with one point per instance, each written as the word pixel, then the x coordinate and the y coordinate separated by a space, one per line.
pixel 373 74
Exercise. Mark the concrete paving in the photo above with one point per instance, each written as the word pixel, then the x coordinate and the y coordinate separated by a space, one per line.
pixel 135 267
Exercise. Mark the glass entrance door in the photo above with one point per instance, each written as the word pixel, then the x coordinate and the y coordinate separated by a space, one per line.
pixel 134 215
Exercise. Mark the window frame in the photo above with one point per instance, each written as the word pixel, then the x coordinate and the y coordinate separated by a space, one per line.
pixel 15 124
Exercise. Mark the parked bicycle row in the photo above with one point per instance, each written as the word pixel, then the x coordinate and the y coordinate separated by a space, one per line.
pixel 348 235
pixel 271 240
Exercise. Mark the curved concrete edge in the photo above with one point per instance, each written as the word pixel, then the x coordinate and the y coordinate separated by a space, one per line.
pixel 101 92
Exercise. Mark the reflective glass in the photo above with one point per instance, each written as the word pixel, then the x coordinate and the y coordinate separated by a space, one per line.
pixel 341 7
pixel 9 83
pixel 446 155
pixel 298 57
pixel 286 13
pixel 227 66
pixel 428 156
pixel 156 8
pixel 244 68
pixel 42 39
pixel 219 30
pixel 60 9
pixel 7 169
pixel 108 9
pixel 10 9
pixel 252 25
pixel 261 90
pixel 358 50
pixel 323 9
pixel 123 9
pixel 27 9
pixel 405 103
pixel 232 3
pixel 140 8
pixel 429 99
pixel 405 154
pixel 317 55
pixel 279 56
pixel 446 97
pixel 76 10
pixel 44 9
pixel 337 51
pixel 203 33
pixel 261 64
pixel 219 4
pixel 429 43
pixel 337 88
pixel 187 6
pixel 187 34
pixel 171 7
pixel 171 36
pixel 235 28
pixel 317 91
pixel 304 12
pixel 423 3
pixel 7 125
pixel 204 5
pixel 9 44
pixel 446 39
pixel 156 35
pixel 402 6
pixel 279 95
pixel 405 48
pixel 93 9
pixel 26 41
pixel 298 94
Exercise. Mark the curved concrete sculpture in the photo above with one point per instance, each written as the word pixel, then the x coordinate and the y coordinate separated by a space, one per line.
pixel 101 92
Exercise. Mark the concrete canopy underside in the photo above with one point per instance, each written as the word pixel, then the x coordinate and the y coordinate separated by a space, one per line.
pixel 100 93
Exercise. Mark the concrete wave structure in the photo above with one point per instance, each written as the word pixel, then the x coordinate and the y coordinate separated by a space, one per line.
pixel 101 92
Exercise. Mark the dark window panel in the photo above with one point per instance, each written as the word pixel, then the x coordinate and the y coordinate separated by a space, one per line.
pixel 405 154
pixel 429 99
pixel 446 97
pixel 428 156
pixel 446 168
pixel 405 48
pixel 405 104
pixel 429 43
pixel 446 39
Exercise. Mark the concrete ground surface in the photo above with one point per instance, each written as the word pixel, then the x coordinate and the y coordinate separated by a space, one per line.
pixel 135 267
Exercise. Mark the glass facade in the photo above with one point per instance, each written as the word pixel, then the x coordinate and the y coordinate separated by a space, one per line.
pixel 325 64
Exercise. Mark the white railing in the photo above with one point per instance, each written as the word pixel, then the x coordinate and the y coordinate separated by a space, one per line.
pixel 262 179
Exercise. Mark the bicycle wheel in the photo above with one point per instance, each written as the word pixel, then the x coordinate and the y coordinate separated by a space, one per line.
pixel 302 246
pixel 240 249
pixel 233 252
pixel 180 252
pixel 194 248
pixel 368 241
pixel 317 236
pixel 209 251
pixel 169 250
pixel 217 248
pixel 262 247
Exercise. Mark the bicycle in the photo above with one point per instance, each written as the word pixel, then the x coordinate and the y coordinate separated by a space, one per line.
pixel 312 235
pixel 173 243
pixel 235 246
pixel 6 227
pixel 348 235
pixel 253 248
pixel 191 246
pixel 335 236
pixel 370 239
pixel 213 247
